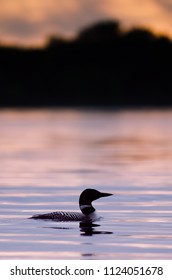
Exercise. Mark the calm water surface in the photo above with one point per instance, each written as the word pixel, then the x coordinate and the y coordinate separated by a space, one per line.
pixel 48 157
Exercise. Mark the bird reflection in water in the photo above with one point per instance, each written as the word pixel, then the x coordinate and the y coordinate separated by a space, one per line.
pixel 88 229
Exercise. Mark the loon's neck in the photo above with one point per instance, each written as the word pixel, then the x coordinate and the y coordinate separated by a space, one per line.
pixel 87 209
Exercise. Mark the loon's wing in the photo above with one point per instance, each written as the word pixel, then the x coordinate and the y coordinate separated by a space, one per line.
pixel 60 216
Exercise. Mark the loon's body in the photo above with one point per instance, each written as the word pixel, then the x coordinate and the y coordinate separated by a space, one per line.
pixel 88 211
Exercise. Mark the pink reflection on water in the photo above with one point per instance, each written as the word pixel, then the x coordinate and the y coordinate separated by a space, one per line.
pixel 78 147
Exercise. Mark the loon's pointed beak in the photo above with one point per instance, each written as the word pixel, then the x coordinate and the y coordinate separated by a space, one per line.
pixel 105 194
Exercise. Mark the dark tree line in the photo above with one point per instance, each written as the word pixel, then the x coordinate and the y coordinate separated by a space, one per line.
pixel 102 66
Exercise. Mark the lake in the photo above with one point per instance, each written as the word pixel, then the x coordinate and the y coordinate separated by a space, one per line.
pixel 48 157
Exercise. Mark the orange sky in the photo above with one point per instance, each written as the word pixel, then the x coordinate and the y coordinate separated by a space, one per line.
pixel 29 22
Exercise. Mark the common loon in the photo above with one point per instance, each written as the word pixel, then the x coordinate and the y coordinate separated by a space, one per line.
pixel 88 211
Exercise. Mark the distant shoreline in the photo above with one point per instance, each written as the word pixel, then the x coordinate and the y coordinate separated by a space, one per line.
pixel 87 108
pixel 102 67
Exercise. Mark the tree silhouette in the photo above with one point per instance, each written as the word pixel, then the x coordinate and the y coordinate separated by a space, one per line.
pixel 106 31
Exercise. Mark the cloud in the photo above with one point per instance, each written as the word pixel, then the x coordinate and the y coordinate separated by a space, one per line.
pixel 167 4
pixel 45 17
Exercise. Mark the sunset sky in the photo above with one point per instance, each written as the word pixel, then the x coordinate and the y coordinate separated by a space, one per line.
pixel 30 22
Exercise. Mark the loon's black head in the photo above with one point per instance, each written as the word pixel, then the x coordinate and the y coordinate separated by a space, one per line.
pixel 86 197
